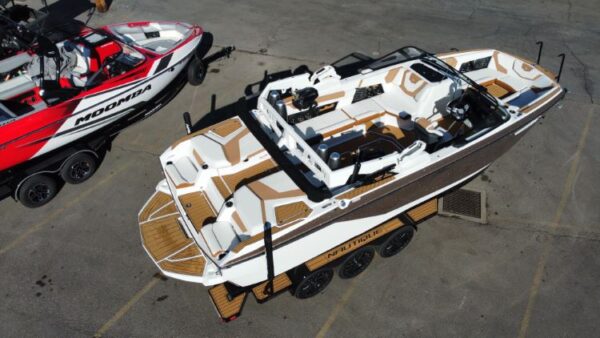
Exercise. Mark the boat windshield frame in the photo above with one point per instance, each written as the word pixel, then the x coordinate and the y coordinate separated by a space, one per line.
pixel 435 62
pixel 400 55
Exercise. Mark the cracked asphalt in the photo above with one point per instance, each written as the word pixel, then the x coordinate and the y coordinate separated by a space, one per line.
pixel 76 268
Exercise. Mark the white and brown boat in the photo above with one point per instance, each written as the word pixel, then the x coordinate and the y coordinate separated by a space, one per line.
pixel 333 166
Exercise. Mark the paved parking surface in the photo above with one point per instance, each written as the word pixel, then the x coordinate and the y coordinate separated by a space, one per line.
pixel 76 266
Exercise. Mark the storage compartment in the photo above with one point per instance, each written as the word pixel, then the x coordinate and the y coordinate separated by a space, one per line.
pixel 498 88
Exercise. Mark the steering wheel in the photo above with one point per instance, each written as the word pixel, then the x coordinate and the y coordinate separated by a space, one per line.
pixel 458 108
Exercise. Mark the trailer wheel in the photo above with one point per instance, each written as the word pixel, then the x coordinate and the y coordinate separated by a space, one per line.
pixel 356 262
pixel 397 241
pixel 37 190
pixel 196 72
pixel 313 283
pixel 79 168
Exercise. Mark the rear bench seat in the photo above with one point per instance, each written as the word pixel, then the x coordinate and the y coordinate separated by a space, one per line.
pixel 182 171
pixel 220 236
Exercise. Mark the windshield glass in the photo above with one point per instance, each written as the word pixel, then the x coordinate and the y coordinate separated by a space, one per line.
pixel 351 64
pixel 398 56
pixel 130 56
pixel 457 76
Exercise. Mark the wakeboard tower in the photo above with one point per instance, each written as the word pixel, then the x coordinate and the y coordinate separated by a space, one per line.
pixel 62 101
pixel 332 166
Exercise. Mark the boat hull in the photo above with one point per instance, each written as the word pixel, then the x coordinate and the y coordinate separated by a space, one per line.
pixel 301 244
pixel 40 133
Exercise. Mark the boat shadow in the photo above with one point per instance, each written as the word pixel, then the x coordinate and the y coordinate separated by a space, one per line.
pixel 65 18
pixel 62 10
pixel 245 102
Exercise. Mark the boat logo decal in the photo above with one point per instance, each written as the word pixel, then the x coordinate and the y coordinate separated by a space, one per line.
pixel 112 105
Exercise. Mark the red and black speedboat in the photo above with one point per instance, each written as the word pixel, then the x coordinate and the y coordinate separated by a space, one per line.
pixel 61 101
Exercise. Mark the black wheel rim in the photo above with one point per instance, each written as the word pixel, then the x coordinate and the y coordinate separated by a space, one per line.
pixel 314 284
pixel 356 263
pixel 80 170
pixel 398 242
pixel 38 193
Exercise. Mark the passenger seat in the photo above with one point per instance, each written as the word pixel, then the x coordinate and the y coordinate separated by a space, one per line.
pixel 425 131
pixel 182 171
pixel 220 236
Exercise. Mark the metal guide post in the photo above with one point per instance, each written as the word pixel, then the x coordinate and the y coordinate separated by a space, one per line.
pixel 269 256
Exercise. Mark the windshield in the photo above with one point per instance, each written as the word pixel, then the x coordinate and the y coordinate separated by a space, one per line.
pixel 130 56
pixel 401 55
pixel 457 76
pixel 118 64
pixel 351 64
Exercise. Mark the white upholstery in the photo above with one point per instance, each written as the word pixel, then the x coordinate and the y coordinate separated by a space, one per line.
pixel 15 86
pixel 220 237
pixel 363 109
pixel 14 62
pixel 325 122
pixel 183 170
pixel 324 74
pixel 394 103
pixel 79 80
pixel 82 65
pixel 212 152
pixel 483 75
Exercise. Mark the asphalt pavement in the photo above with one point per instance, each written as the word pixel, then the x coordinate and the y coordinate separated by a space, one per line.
pixel 76 267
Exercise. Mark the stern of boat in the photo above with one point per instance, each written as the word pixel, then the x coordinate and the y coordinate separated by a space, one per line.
pixel 165 240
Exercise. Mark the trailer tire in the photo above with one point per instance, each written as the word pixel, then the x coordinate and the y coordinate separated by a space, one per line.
pixel 79 168
pixel 196 72
pixel 37 190
pixel 313 283
pixel 396 242
pixel 357 262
